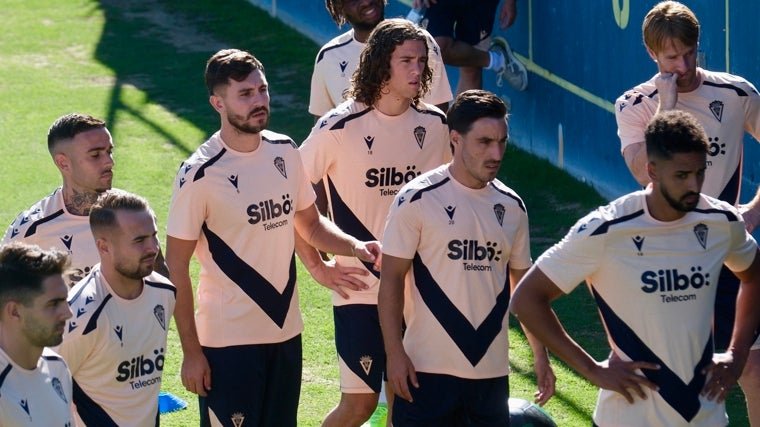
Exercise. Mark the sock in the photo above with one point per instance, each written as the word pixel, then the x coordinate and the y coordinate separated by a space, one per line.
pixel 497 60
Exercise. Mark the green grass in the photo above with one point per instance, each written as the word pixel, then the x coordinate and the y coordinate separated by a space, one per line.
pixel 140 66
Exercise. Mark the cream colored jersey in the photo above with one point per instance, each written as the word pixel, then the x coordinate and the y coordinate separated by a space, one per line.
pixel 654 283
pixel 364 157
pixel 461 241
pixel 40 397
pixel 338 59
pixel 49 225
pixel 725 105
pixel 240 208
pixel 115 349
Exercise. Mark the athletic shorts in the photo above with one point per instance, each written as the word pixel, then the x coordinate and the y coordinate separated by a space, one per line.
pixel 445 400
pixel 256 385
pixel 359 342
pixel 465 20
pixel 725 310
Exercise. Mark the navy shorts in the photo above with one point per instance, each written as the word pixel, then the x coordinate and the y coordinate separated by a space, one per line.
pixel 359 342
pixel 465 20
pixel 258 384
pixel 445 400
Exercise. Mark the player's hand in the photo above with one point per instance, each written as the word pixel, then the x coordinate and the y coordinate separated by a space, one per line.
pixel 751 217
pixel 334 276
pixel 401 373
pixel 546 381
pixel 196 374
pixel 507 14
pixel 623 377
pixel 723 373
pixel 667 90
pixel 370 252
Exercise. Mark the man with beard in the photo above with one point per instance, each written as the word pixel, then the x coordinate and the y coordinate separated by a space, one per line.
pixel 81 148
pixel 383 130
pixel 35 389
pixel 651 259
pixel 338 58
pixel 726 105
pixel 116 344
pixel 237 204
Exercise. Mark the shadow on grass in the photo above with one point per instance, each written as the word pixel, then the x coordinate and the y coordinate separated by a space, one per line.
pixel 161 46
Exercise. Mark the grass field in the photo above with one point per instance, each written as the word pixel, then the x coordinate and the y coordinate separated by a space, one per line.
pixel 140 65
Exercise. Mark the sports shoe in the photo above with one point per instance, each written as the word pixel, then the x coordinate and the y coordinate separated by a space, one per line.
pixel 378 417
pixel 514 71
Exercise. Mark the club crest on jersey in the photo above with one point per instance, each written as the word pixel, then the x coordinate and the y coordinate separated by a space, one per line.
pixel 119 330
pixel 279 163
pixel 700 230
pixel 450 212
pixel 158 311
pixel 716 107
pixel 498 210
pixel 366 363
pixel 639 242
pixel 237 419
pixel 369 140
pixel 233 179
pixel 58 387
pixel 419 135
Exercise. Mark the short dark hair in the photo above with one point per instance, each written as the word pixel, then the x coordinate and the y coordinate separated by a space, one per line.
pixel 70 125
pixel 103 212
pixel 669 20
pixel 674 131
pixel 228 64
pixel 23 268
pixel 471 105
pixel 375 62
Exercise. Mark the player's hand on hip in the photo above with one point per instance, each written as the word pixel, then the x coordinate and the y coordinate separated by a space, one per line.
pixel 667 90
pixel 624 377
pixel 196 373
pixel 334 276
pixel 723 373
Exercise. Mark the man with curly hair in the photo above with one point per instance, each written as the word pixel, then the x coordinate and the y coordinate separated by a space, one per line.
pixel 366 149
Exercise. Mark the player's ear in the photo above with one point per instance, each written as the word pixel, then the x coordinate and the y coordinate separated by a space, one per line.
pixel 62 161
pixel 216 102
pixel 11 310
pixel 102 244
pixel 652 171
pixel 652 53
pixel 455 137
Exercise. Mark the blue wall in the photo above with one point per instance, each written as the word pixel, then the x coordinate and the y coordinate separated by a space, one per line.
pixel 581 56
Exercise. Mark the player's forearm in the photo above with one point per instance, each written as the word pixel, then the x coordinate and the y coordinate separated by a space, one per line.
pixel 390 308
pixel 747 320
pixel 184 312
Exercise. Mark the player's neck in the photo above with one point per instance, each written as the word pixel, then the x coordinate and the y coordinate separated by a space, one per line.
pixel 19 350
pixel 392 105
pixel 125 287
pixel 239 141
pixel 78 202
pixel 361 35
pixel 660 209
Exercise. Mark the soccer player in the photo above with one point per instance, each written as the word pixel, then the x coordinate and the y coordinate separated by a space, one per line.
pixel 81 148
pixel 337 59
pixel 237 204
pixel 651 259
pixel 457 238
pixel 366 149
pixel 35 384
pixel 463 28
pixel 115 346
pixel 726 105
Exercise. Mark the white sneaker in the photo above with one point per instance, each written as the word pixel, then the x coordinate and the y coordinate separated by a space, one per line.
pixel 514 71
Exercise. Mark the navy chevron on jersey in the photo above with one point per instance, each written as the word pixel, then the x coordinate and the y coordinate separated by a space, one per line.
pixel 240 207
pixel 655 283
pixel 461 241
pixel 726 105
pixel 40 397
pixel 338 59
pixel 116 348
pixel 49 225
pixel 365 157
